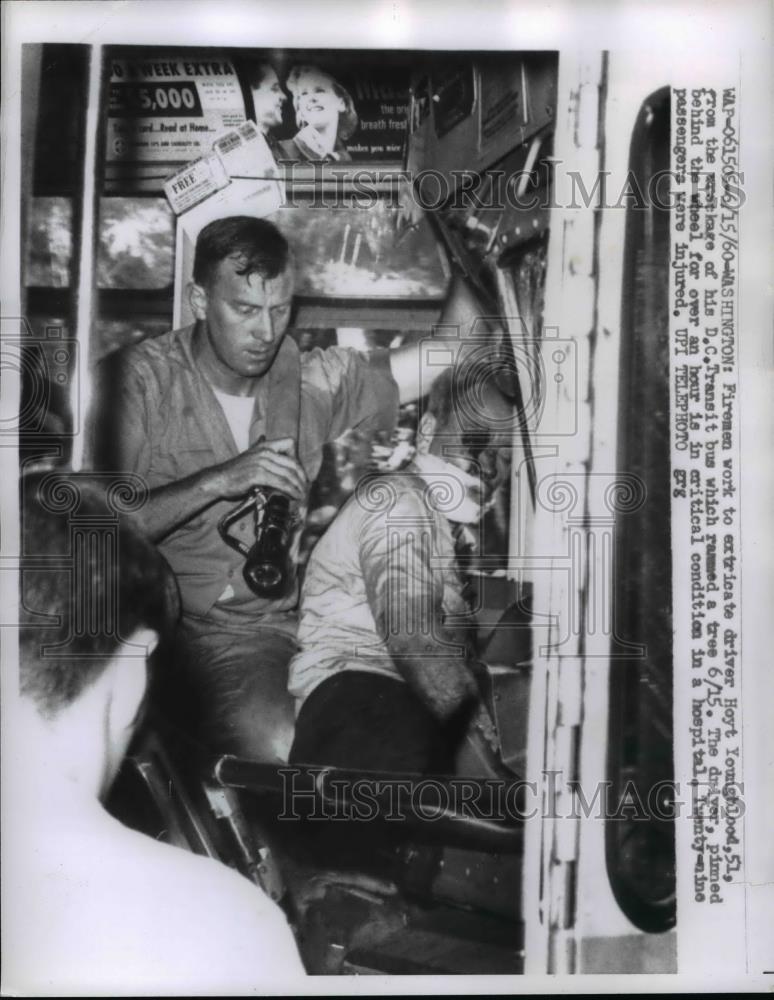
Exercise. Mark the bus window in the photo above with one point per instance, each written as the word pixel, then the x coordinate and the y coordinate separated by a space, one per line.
pixel 136 243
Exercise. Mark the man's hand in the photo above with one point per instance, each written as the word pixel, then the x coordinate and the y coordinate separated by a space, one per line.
pixel 267 463
pixel 441 681
pixel 270 464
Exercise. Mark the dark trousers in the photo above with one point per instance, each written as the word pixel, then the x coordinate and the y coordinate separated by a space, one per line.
pixel 366 721
pixel 228 686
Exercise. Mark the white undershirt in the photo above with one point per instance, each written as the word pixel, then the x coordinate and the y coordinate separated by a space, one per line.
pixel 238 411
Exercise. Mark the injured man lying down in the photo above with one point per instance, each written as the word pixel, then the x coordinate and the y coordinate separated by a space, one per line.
pixel 383 678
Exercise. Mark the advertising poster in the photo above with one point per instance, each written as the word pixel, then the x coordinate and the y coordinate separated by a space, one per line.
pixel 168 108
pixel 316 109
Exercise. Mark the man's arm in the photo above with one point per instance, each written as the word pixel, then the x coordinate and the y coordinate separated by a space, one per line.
pixel 270 464
pixel 405 595
pixel 120 431
pixel 440 680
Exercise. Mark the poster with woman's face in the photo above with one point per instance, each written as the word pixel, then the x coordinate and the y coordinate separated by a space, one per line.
pixel 325 116
pixel 310 113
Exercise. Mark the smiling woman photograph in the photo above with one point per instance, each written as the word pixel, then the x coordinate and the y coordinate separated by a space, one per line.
pixel 325 116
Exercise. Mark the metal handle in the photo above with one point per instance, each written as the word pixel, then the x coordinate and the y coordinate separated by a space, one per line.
pixel 254 500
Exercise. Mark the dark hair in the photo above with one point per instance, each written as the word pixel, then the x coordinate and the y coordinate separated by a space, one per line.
pixel 439 399
pixel 255 73
pixel 87 583
pixel 466 390
pixel 252 74
pixel 256 244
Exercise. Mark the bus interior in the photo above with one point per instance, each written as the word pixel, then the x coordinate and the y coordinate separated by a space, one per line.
pixel 480 135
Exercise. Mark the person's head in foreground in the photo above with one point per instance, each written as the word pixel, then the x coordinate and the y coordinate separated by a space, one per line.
pixel 95 598
pixel 93 907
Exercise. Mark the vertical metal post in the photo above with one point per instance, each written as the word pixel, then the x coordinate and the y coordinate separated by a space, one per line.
pixel 521 514
pixel 84 303
pixel 32 59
